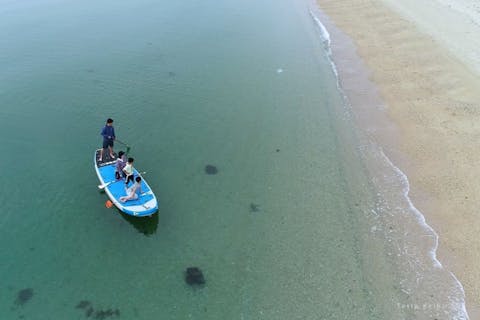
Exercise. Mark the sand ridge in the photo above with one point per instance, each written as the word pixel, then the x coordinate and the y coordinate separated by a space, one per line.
pixel 434 100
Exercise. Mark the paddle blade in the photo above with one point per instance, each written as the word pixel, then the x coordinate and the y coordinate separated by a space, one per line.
pixel 103 186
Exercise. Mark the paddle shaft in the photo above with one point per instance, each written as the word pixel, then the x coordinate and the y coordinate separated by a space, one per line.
pixel 103 186
pixel 126 145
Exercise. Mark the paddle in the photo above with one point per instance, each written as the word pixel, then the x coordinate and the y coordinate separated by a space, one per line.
pixel 109 204
pixel 103 186
pixel 126 145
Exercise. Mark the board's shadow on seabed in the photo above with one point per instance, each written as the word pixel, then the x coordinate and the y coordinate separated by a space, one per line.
pixel 144 225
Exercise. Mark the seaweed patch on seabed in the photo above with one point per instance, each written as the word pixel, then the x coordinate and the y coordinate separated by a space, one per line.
pixel 194 276
pixel 83 304
pixel 96 314
pixel 211 169
pixel 23 296
pixel 254 207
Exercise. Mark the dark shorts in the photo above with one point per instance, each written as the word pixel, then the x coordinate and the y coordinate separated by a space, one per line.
pixel 107 143
pixel 118 175
pixel 128 179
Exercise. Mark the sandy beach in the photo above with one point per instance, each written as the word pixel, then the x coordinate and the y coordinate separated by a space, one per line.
pixel 424 59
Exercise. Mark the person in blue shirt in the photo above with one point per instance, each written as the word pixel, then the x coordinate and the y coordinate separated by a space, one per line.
pixel 108 134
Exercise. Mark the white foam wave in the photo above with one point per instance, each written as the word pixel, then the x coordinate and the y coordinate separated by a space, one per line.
pixel 421 219
pixel 461 311
pixel 325 38
pixel 323 31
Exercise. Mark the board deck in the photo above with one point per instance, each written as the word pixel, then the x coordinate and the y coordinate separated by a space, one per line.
pixel 145 205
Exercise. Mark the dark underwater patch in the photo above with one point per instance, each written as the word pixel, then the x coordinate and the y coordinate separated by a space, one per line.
pixel 103 314
pixel 211 169
pixel 88 312
pixel 254 207
pixel 23 296
pixel 194 276
pixel 96 313
pixel 83 304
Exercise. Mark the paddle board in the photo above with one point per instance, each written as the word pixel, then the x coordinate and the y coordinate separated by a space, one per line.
pixel 145 205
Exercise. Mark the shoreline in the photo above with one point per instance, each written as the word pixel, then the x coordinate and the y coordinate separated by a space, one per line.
pixel 425 121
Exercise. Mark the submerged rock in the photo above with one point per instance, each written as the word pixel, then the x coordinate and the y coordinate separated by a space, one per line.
pixel 89 312
pixel 211 169
pixel 23 296
pixel 254 207
pixel 83 304
pixel 194 276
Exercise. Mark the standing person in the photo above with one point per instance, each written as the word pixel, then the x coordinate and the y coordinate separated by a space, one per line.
pixel 128 169
pixel 133 191
pixel 108 134
pixel 119 165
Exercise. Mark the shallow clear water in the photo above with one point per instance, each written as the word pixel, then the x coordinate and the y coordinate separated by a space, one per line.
pixel 280 231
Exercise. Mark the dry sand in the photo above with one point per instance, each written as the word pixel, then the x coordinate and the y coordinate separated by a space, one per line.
pixel 432 95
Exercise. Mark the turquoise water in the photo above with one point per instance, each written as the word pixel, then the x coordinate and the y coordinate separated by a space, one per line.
pixel 279 232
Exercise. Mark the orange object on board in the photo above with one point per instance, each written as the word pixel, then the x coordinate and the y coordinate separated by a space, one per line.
pixel 108 204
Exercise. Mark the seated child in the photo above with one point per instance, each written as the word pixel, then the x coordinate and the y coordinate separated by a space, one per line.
pixel 133 191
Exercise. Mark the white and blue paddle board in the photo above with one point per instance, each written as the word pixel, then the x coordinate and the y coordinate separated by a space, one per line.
pixel 145 205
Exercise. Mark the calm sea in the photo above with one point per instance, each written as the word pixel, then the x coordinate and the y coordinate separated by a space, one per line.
pixel 294 225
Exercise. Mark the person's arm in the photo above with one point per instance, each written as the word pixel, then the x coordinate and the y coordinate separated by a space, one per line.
pixel 103 133
pixel 113 133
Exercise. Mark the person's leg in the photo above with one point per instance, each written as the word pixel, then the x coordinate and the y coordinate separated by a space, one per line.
pixel 130 177
pixel 104 146
pixel 110 147
pixel 124 198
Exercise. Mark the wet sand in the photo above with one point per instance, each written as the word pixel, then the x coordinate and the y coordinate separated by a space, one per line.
pixel 431 94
